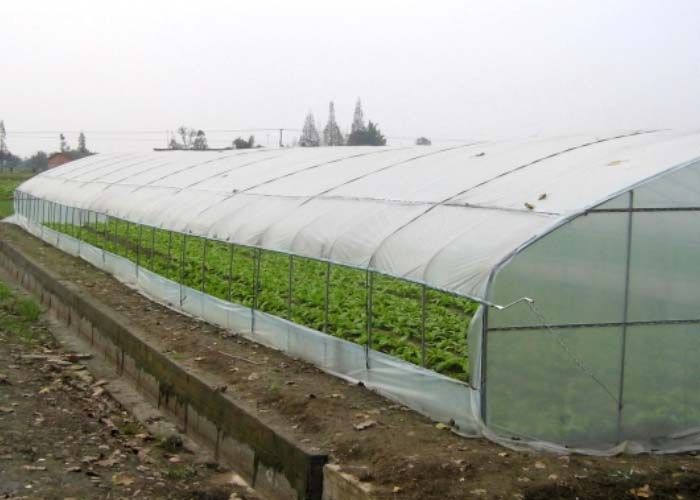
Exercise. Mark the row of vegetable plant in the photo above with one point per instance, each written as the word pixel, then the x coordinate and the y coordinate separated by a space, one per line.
pixel 401 318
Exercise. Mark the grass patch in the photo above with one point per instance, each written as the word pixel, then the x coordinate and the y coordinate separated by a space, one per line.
pixel 8 183
pixel 180 472
pixel 18 314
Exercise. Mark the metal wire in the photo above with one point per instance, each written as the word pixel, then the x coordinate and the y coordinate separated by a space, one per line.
pixel 569 352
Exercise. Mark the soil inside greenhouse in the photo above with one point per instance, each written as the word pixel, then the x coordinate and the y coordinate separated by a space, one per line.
pixel 402 454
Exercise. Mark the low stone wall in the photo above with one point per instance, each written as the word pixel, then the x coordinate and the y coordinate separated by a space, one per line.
pixel 276 466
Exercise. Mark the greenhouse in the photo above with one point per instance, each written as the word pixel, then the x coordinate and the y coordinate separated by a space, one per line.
pixel 540 292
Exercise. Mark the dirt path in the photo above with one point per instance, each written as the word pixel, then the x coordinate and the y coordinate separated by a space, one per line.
pixel 403 455
pixel 62 437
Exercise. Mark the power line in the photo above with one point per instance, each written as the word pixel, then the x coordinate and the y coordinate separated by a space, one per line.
pixel 139 132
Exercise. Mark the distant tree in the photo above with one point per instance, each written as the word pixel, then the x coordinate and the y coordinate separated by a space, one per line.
pixel 374 135
pixel 240 143
pixel 37 163
pixel 423 141
pixel 200 141
pixel 82 146
pixel 173 144
pixel 63 144
pixel 3 138
pixel 309 135
pixel 371 136
pixel 187 135
pixel 7 160
pixel 332 136
pixel 358 118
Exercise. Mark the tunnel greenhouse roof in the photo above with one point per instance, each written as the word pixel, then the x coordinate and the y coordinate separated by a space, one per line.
pixel 443 216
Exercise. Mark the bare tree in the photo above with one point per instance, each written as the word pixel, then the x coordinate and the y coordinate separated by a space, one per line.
pixel 200 141
pixel 187 136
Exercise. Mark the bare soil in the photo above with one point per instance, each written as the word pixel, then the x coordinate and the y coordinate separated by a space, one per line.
pixel 63 437
pixel 404 455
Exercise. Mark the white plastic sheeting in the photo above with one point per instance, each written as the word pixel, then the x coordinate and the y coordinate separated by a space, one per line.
pixel 436 396
pixel 586 369
pixel 440 216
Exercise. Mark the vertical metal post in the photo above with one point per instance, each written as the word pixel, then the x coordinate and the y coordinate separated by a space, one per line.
pixel 369 317
pixel 483 359
pixel 115 241
pixel 256 278
pixel 138 248
pixel 290 287
pixel 153 247
pixel 105 230
pixel 104 235
pixel 57 213
pixel 625 316
pixel 127 241
pixel 80 225
pixel 230 271
pixel 167 263
pixel 325 299
pixel 203 284
pixel 182 265
pixel 423 317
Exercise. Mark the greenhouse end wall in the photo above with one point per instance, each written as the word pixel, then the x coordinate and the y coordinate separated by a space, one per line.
pixel 607 354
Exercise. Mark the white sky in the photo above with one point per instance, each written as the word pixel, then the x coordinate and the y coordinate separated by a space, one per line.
pixel 445 69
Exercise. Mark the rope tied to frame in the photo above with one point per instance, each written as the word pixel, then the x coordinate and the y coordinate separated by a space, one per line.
pixel 577 361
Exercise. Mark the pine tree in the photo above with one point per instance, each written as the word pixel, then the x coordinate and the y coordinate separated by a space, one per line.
pixel 371 136
pixel 3 139
pixel 64 144
pixel 331 134
pixel 82 146
pixel 374 135
pixel 358 118
pixel 200 141
pixel 309 135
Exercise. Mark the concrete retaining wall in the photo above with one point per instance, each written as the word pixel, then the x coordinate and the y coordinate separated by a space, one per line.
pixel 270 461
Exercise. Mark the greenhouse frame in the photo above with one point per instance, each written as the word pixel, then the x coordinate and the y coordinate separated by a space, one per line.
pixel 561 272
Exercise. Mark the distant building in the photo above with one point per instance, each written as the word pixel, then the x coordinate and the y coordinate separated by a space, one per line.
pixel 57 159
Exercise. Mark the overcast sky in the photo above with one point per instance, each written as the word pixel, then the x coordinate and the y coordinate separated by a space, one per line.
pixel 127 71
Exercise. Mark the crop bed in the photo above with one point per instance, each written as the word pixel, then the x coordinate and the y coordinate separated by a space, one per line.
pixel 417 324
pixel 8 183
